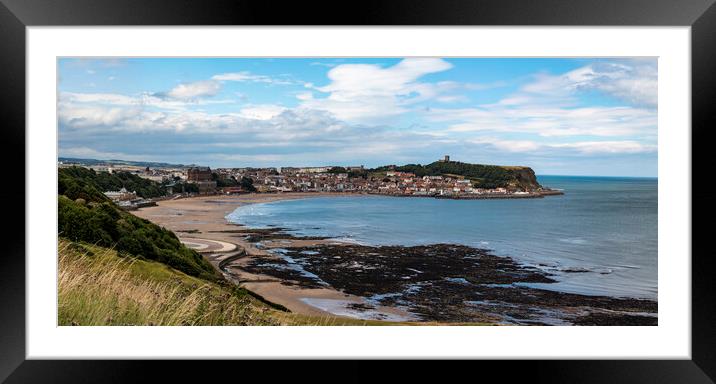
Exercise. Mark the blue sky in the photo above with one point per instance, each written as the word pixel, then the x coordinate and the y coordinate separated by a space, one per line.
pixel 558 116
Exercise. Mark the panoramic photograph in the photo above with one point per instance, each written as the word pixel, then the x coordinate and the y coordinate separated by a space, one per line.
pixel 357 191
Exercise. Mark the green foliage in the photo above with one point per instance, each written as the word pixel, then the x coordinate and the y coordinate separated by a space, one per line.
pixel 222 182
pixel 336 170
pixel 73 185
pixel 191 187
pixel 358 173
pixel 78 182
pixel 247 184
pixel 106 225
pixel 351 173
pixel 483 176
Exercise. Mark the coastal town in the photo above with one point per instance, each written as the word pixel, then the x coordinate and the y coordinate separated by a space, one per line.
pixel 184 181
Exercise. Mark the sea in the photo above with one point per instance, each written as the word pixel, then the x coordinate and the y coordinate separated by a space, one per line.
pixel 599 238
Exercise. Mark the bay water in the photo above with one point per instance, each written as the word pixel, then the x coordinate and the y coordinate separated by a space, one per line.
pixel 599 238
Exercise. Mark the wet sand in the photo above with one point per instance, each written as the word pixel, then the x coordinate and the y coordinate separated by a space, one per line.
pixel 204 218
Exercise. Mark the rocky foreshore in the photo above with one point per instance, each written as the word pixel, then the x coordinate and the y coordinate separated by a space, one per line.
pixel 446 283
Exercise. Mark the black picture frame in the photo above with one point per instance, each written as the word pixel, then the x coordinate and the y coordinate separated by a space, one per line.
pixel 16 15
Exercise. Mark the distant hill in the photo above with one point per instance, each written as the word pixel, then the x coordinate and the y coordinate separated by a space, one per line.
pixel 482 176
pixel 149 164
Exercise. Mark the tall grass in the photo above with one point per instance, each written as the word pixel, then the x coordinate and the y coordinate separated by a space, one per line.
pixel 98 287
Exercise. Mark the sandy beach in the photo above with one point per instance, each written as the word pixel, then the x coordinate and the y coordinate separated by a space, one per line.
pixel 200 222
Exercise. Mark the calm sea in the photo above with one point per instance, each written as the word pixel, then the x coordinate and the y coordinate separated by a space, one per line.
pixel 600 238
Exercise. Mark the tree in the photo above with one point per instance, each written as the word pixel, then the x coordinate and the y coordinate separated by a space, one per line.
pixel 191 188
pixel 337 170
pixel 247 184
pixel 222 182
pixel 85 183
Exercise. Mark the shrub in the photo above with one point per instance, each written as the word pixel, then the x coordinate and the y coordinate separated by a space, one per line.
pixel 106 225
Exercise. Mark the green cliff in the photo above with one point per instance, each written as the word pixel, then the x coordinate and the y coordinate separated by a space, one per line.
pixel 482 176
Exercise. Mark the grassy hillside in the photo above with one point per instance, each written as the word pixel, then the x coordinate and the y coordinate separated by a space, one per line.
pixel 106 225
pixel 98 286
pixel 85 214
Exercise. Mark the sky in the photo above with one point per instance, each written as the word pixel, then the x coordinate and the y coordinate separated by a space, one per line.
pixel 560 116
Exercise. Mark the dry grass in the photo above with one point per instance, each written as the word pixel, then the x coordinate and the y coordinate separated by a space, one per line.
pixel 98 287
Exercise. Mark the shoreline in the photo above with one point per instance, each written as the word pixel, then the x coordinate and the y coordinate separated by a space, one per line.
pixel 270 263
pixel 204 217
pixel 486 196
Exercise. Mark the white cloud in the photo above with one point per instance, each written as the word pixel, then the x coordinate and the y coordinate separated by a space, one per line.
pixel 99 98
pixel 245 76
pixel 261 112
pixel 90 153
pixel 304 96
pixel 368 92
pixel 550 106
pixel 96 117
pixel 288 136
pixel 253 159
pixel 270 120
pixel 633 81
pixel 328 65
pixel 188 91
pixel 508 145
pixel 151 100
pixel 452 98
pixel 240 76
pixel 580 147
pixel 605 147
pixel 69 100
pixel 549 121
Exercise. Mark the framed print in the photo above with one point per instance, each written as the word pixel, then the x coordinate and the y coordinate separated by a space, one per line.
pixel 457 181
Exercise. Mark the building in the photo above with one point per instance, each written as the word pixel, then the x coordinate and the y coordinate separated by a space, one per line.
pixel 201 176
pixel 195 174
pixel 121 195
pixel 155 178
pixel 315 169
pixel 101 168
pixel 446 159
